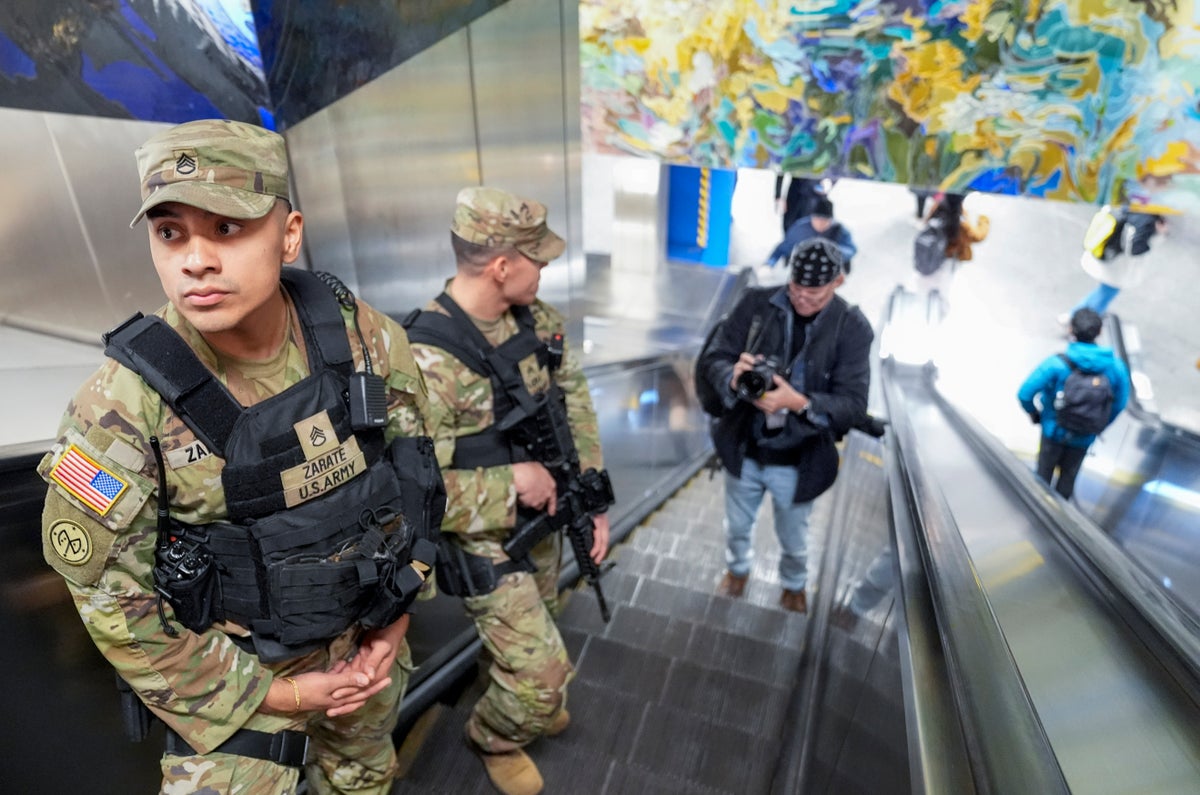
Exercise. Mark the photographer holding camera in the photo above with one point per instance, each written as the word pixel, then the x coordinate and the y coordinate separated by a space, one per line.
pixel 792 366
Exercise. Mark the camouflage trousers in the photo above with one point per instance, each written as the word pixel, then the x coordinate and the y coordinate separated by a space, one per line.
pixel 530 668
pixel 353 753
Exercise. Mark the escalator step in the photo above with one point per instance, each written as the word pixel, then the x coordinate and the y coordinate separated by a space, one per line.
pixel 652 632
pixel 568 769
pixel 672 600
pixel 619 668
pixel 749 620
pixel 690 574
pixel 726 698
pixel 725 651
pixel 678 743
pixel 603 723
pixel 639 780
pixel 631 560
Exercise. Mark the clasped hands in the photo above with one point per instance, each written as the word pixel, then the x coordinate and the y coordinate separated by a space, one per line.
pixel 348 684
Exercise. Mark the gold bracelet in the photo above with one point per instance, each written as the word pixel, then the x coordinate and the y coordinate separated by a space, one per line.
pixel 295 689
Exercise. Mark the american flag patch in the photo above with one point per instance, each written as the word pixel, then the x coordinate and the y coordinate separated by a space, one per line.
pixel 87 481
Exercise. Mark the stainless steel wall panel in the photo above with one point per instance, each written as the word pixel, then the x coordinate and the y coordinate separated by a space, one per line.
pixel 573 160
pixel 640 191
pixel 97 157
pixel 71 265
pixel 395 153
pixel 45 255
pixel 519 70
pixel 317 193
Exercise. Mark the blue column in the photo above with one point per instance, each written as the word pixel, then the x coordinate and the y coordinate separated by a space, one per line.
pixel 699 214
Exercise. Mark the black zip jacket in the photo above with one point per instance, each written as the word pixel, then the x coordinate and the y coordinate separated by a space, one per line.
pixel 837 372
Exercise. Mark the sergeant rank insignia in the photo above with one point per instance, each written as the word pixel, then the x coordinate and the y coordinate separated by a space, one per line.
pixel 87 481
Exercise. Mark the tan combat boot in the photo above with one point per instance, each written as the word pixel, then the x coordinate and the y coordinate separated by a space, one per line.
pixel 513 773
pixel 561 721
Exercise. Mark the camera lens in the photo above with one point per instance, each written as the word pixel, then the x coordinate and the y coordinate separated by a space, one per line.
pixel 751 384
pixel 754 382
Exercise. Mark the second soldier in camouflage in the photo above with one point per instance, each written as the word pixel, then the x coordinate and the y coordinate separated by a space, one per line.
pixel 501 243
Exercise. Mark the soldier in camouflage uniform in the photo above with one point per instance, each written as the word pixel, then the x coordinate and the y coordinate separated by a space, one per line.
pixel 501 243
pixel 220 223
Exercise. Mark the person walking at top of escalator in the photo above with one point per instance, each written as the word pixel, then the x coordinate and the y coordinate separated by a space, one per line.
pixel 1074 396
pixel 797 201
pixel 1115 248
pixel 945 241
pixel 818 223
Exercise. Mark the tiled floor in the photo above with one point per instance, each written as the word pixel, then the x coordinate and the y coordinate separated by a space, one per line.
pixel 683 692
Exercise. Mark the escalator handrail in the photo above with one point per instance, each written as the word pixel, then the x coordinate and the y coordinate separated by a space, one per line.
pixel 1141 404
pixel 938 758
pixel 1008 747
pixel 1172 633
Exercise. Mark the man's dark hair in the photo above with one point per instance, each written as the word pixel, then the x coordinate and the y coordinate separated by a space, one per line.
pixel 473 254
pixel 1086 325
pixel 823 207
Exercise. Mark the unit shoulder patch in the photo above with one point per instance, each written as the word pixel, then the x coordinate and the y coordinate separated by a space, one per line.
pixel 74 545
pixel 70 541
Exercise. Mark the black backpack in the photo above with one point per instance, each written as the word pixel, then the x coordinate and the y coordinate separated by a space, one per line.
pixel 1084 404
pixel 929 248
pixel 710 400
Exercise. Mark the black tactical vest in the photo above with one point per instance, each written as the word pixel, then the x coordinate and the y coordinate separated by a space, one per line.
pixel 328 526
pixel 511 400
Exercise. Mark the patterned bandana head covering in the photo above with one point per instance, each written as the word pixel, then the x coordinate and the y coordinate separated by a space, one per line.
pixel 815 262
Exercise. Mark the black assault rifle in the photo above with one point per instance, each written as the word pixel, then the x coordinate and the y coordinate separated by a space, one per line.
pixel 546 435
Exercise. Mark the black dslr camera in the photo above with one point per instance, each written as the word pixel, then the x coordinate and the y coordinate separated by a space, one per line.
pixel 757 380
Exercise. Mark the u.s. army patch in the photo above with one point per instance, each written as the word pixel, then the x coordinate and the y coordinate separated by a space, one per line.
pixel 89 482
pixel 70 541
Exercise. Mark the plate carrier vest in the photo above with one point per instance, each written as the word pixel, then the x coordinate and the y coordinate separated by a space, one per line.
pixel 511 400
pixel 460 573
pixel 315 541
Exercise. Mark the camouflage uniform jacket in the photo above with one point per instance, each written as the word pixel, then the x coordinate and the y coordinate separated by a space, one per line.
pixel 202 685
pixel 482 503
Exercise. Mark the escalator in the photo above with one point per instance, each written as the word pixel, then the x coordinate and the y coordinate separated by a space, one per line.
pixel 968 631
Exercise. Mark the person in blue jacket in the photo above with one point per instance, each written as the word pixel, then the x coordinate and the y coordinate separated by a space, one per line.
pixel 1062 449
pixel 818 223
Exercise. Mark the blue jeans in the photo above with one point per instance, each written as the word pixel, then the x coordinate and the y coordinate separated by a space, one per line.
pixel 743 497
pixel 1098 299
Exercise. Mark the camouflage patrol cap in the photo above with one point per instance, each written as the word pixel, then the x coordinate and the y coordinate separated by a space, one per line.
pixel 226 167
pixel 498 219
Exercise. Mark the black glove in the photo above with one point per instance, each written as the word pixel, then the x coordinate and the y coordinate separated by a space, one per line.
pixel 872 426
pixel 1035 417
